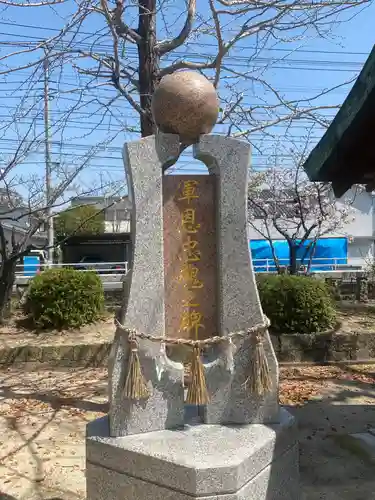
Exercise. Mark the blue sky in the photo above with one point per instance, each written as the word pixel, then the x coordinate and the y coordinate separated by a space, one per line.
pixel 317 64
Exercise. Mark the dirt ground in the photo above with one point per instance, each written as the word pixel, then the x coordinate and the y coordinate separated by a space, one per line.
pixel 15 334
pixel 360 320
pixel 43 414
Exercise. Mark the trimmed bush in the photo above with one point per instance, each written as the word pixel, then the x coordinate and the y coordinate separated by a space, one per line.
pixel 64 298
pixel 296 304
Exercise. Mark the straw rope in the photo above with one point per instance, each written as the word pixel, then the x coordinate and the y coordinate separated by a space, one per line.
pixel 216 339
pixel 259 379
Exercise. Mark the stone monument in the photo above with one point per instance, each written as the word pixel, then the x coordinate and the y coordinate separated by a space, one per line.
pixel 192 299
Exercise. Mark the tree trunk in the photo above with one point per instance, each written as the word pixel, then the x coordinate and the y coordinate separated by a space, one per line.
pixel 7 278
pixel 274 256
pixel 292 259
pixel 311 256
pixel 148 63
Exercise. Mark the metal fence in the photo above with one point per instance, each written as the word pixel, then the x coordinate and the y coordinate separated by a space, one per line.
pixel 112 274
pixel 318 265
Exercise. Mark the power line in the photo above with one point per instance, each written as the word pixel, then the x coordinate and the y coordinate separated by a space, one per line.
pixel 291 89
pixel 201 56
pixel 257 138
pixel 104 147
pixel 261 63
pixel 83 121
pixel 205 44
pixel 288 64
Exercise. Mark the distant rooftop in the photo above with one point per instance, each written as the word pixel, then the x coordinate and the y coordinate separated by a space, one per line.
pixel 345 155
pixel 102 201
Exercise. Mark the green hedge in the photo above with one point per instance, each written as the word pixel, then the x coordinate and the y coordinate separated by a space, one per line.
pixel 64 298
pixel 296 304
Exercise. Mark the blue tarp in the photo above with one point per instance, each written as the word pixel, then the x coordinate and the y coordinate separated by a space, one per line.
pixel 31 265
pixel 328 253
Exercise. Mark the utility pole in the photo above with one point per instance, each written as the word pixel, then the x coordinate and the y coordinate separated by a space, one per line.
pixel 50 231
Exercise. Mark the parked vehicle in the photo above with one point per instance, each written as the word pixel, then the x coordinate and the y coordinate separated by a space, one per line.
pixel 96 263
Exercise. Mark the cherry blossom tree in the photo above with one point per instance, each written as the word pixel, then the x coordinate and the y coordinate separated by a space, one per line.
pixel 284 204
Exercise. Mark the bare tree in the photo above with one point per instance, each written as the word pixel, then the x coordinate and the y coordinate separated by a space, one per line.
pixel 284 204
pixel 22 219
pixel 147 39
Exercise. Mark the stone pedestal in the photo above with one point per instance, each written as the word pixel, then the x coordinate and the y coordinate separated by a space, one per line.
pixel 256 461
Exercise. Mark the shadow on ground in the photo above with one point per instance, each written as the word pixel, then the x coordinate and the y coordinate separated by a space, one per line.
pixel 4 496
pixel 70 389
pixel 54 400
pixel 330 469
pixel 43 413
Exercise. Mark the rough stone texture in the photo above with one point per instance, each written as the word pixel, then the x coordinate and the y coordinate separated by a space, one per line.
pixel 362 289
pixel 240 307
pixel 185 103
pixel 335 346
pixel 346 287
pixel 144 160
pixel 95 354
pixel 203 461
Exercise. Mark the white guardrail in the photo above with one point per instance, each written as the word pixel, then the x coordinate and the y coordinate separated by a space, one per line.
pixel 112 274
pixel 318 265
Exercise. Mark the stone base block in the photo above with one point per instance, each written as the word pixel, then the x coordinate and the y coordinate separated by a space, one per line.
pixel 212 462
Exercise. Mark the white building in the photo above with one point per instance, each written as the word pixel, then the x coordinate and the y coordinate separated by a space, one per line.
pixel 360 233
pixel 116 211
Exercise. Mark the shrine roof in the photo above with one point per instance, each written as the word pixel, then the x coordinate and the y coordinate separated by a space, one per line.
pixel 345 155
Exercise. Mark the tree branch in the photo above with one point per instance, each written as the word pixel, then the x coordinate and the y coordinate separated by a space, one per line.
pixel 9 3
pixel 165 46
pixel 122 29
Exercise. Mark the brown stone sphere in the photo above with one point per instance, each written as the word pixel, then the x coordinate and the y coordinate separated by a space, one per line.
pixel 185 103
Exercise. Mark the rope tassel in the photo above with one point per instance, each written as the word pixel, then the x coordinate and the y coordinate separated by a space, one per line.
pixel 259 381
pixel 197 391
pixel 135 384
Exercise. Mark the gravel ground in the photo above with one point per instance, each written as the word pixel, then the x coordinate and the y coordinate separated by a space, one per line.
pixel 43 414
